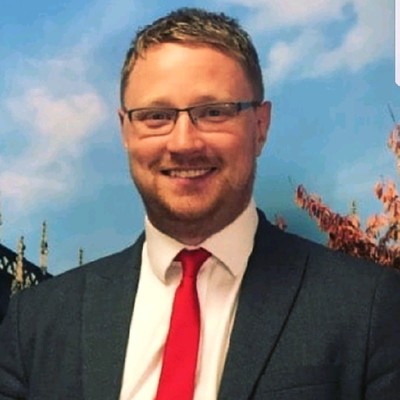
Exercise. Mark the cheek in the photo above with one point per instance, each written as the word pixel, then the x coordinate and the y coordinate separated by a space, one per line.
pixel 239 166
pixel 243 152
pixel 243 166
pixel 142 154
pixel 138 165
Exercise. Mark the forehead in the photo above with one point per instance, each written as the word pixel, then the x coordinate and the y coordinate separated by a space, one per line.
pixel 185 71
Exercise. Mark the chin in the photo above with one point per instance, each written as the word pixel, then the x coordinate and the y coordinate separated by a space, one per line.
pixel 214 208
pixel 188 211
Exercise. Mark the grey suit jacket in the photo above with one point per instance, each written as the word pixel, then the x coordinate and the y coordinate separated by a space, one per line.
pixel 311 324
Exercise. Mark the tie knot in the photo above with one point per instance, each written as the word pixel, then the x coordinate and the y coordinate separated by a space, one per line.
pixel 192 260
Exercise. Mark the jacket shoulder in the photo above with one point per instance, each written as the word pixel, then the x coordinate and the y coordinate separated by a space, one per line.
pixel 70 285
pixel 321 260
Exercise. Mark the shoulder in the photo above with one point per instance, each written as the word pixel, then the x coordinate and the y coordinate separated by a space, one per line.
pixel 330 268
pixel 69 286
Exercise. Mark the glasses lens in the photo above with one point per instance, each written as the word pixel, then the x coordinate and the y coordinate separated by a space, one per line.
pixel 214 113
pixel 154 118
pixel 207 117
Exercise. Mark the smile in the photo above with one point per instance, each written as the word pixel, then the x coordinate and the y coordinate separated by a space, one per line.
pixel 188 173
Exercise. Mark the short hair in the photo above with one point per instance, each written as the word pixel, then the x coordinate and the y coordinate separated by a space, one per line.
pixel 197 26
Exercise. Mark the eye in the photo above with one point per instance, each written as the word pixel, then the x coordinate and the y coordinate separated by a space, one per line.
pixel 215 112
pixel 154 115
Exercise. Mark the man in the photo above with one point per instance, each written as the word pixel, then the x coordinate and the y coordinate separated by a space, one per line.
pixel 272 316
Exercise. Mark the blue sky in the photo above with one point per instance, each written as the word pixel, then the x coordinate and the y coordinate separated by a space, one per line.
pixel 329 72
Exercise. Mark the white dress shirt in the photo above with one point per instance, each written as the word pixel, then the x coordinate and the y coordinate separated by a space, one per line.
pixel 218 284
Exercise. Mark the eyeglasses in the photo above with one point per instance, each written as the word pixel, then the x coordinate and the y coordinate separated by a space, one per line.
pixel 206 117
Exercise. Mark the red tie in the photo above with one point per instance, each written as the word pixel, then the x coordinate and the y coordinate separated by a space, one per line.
pixel 178 370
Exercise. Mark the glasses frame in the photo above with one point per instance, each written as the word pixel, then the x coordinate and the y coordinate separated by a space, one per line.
pixel 240 106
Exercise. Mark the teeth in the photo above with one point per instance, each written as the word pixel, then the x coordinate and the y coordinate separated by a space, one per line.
pixel 188 173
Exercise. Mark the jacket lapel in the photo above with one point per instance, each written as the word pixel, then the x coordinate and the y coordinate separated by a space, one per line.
pixel 267 294
pixel 107 310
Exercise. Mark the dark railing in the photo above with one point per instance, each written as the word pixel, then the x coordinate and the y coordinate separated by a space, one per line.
pixel 32 275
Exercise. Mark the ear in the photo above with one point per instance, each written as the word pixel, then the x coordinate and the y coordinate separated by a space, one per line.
pixel 263 115
pixel 123 127
pixel 121 115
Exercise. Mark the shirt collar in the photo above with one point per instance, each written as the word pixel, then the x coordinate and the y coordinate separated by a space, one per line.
pixel 231 246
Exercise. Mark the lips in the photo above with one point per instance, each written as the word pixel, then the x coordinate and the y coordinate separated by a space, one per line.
pixel 189 173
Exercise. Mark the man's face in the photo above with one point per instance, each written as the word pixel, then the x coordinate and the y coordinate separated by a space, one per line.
pixel 188 176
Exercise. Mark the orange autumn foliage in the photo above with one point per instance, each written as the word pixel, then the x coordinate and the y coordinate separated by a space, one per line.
pixel 379 240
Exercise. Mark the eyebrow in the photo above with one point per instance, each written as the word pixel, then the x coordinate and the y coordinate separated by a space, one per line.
pixel 164 103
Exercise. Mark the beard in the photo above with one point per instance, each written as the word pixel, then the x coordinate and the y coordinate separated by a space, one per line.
pixel 196 213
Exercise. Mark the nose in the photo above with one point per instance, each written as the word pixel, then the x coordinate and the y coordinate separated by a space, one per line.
pixel 185 137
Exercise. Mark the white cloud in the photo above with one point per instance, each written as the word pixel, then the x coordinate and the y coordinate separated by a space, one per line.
pixel 370 38
pixel 277 14
pixel 288 59
pixel 366 37
pixel 356 180
pixel 51 109
pixel 67 118
pixel 25 188
pixel 56 111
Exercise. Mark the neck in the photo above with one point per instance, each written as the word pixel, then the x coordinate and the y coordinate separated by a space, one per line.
pixel 193 231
